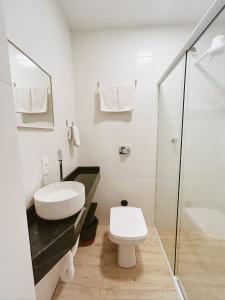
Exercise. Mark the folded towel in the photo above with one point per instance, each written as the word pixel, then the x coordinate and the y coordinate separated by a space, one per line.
pixel 23 100
pixel 76 136
pixel 126 98
pixel 39 98
pixel 108 98
pixel 117 99
pixel 67 271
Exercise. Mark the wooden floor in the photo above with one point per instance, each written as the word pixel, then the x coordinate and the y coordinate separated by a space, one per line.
pixel 99 278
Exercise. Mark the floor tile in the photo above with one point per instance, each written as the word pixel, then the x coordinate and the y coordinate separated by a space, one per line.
pixel 98 277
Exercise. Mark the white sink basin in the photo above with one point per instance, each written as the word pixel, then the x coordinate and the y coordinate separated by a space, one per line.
pixel 59 200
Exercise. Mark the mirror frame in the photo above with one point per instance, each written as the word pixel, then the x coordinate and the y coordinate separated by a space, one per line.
pixel 32 126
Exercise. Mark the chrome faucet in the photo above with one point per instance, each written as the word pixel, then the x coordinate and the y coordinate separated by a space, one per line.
pixel 60 159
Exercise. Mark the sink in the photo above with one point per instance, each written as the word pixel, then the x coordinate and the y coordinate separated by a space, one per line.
pixel 59 200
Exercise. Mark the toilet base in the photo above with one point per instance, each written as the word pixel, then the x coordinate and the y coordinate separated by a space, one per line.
pixel 126 257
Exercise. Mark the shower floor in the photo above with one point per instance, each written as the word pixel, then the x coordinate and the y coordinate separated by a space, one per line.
pixel 99 278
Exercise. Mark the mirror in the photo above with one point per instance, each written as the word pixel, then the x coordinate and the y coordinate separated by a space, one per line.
pixel 32 91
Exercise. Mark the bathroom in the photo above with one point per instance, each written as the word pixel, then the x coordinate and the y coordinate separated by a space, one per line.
pixel 153 171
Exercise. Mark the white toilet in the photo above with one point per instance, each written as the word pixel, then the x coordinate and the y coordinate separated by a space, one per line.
pixel 127 228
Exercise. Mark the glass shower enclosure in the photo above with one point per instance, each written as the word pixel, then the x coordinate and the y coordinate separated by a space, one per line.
pixel 190 193
pixel 170 108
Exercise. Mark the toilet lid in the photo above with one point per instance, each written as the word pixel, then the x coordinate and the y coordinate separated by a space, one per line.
pixel 127 223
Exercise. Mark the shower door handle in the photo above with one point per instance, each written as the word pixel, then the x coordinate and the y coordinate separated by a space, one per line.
pixel 174 140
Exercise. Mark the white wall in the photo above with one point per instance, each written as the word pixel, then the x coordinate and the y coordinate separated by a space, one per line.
pixel 39 29
pixel 16 274
pixel 120 57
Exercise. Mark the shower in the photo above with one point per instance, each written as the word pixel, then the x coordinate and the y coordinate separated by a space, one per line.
pixel 190 211
pixel 216 48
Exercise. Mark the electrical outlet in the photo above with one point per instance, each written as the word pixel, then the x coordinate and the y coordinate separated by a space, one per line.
pixel 45 165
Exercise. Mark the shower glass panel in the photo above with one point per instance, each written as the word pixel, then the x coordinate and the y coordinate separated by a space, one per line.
pixel 169 133
pixel 201 240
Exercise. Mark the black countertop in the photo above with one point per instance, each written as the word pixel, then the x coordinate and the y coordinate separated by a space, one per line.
pixel 51 240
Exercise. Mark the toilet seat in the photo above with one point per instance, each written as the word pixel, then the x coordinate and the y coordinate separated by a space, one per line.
pixel 127 223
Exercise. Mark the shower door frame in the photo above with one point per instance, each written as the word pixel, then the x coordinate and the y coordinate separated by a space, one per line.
pixel 213 11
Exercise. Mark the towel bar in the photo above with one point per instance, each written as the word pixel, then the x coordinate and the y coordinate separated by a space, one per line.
pixel 98 83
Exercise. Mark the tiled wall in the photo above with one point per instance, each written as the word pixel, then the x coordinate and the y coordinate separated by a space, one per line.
pixel 117 57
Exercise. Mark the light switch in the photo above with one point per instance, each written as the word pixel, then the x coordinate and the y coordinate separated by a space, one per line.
pixel 45 165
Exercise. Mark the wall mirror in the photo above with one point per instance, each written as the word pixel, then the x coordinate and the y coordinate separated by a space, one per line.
pixel 32 91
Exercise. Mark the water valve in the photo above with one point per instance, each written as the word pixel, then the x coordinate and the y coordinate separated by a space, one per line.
pixel 124 150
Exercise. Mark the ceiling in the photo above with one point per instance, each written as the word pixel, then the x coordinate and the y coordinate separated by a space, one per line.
pixel 131 13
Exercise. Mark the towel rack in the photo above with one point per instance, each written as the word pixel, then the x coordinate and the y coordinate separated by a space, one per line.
pixel 98 83
pixel 70 123
pixel 49 89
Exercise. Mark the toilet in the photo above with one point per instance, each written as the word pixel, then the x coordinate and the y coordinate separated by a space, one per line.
pixel 127 229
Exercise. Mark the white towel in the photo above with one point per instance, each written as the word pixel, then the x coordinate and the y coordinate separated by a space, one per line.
pixel 67 272
pixel 39 97
pixel 23 100
pixel 68 268
pixel 126 98
pixel 117 99
pixel 108 98
pixel 76 136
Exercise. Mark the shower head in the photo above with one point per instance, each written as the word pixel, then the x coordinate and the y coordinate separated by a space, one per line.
pixel 217 47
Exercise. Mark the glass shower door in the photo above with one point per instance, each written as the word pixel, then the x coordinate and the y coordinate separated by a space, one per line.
pixel 201 239
pixel 168 159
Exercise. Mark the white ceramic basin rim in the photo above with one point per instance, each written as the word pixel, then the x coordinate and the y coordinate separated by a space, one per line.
pixel 59 200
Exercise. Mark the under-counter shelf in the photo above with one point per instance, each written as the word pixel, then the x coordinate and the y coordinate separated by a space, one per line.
pixel 51 240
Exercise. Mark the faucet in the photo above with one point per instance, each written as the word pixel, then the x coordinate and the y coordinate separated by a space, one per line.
pixel 60 159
